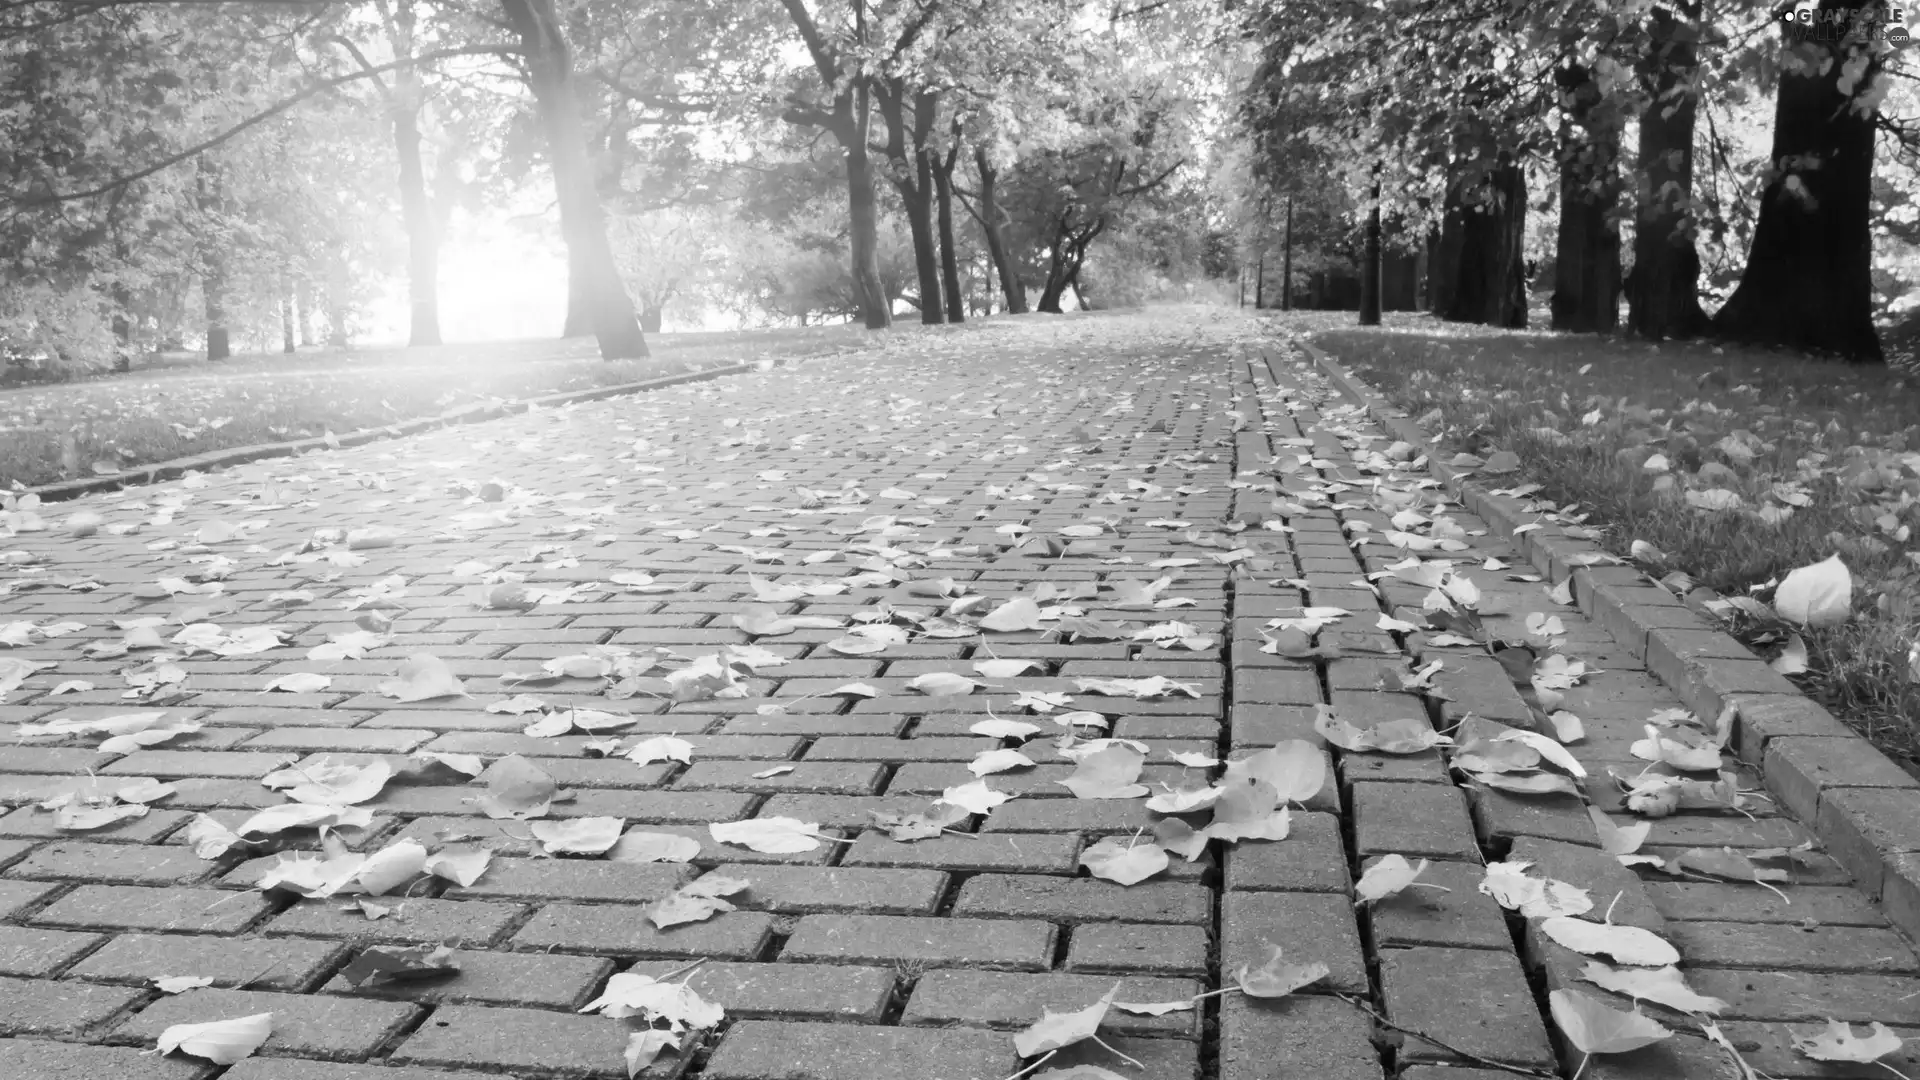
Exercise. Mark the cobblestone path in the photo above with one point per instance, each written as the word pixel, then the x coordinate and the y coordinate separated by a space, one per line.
pixel 1140 470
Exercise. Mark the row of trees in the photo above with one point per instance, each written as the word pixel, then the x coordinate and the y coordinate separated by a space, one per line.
pixel 805 158
pixel 1437 116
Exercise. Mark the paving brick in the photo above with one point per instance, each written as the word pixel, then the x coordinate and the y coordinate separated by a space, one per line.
pixel 1082 900
pixel 233 963
pixel 1069 815
pixel 768 1049
pixel 1804 995
pixel 787 991
pixel 1500 817
pixel 313 1026
pixel 31 821
pixel 1769 1049
pixel 574 879
pixel 1023 945
pixel 42 1059
pixel 1412 820
pixel 58 1007
pixel 1743 903
pixel 132 907
pixel 1132 947
pixel 17 896
pixel 1311 859
pixel 1041 854
pixel 1601 875
pixel 1861 826
pixel 622 930
pixel 877 725
pixel 493 978
pixel 524 1039
pixel 340 740
pixel 31 953
pixel 1295 1036
pixel 809 889
pixel 1475 999
pixel 842 811
pixel 115 863
pixel 227 764
pixel 1462 916
pixel 294 1069
pixel 12 851
pixel 1008 999
pixel 1810 948
pixel 471 923
pixel 894 751
pixel 1306 926
pixel 1161 1059
pixel 1799 770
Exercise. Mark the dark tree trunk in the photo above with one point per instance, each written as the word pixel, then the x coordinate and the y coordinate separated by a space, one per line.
pixel 909 123
pixel 589 257
pixel 1586 265
pixel 863 233
pixel 1286 262
pixel 1370 265
pixel 1069 253
pixel 1443 250
pixel 650 318
pixel 949 251
pixel 213 284
pixel 416 213
pixel 993 224
pixel 1808 282
pixel 1490 286
pixel 1663 290
pixel 289 339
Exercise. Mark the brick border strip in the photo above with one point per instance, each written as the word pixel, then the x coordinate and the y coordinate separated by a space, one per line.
pixel 240 455
pixel 1864 808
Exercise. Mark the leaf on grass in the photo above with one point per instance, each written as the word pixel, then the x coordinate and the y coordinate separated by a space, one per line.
pixel 1662 986
pixel 381 964
pixel 1125 862
pixel 578 836
pixel 1839 1043
pixel 645 847
pixel 1817 595
pixel 768 835
pixel 1276 978
pixel 1110 773
pixel 516 789
pixel 1054 1030
pixel 1387 876
pixel 423 677
pixel 1296 768
pixel 1626 944
pixel 1596 1028
pixel 223 1042
pixel 1793 657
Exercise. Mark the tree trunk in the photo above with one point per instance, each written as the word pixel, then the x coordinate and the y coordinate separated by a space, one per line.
pixel 289 340
pixel 1286 262
pixel 303 308
pixel 993 224
pixel 910 167
pixel 339 298
pixel 1808 281
pixel 1490 287
pixel 949 252
pixel 1586 265
pixel 1663 290
pixel 1443 249
pixel 213 285
pixel 416 213
pixel 926 254
pixel 590 258
pixel 650 318
pixel 1370 265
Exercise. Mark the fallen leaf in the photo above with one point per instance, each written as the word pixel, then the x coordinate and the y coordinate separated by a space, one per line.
pixel 1127 863
pixel 1385 877
pixel 1110 773
pixel 461 865
pixel 768 835
pixel 1296 768
pixel 695 901
pixel 1817 595
pixel 222 1042
pixel 578 836
pixel 180 984
pixel 1277 978
pixel 645 847
pixel 381 964
pixel 1839 1043
pixel 516 789
pixel 1626 944
pixel 1054 1030
pixel 1662 986
pixel 423 677
pixel 1595 1028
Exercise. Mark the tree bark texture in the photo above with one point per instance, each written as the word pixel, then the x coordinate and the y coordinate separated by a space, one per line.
pixel 949 251
pixel 1586 293
pixel 1808 282
pixel 993 223
pixel 589 256
pixel 1489 283
pixel 1663 290
pixel 1370 265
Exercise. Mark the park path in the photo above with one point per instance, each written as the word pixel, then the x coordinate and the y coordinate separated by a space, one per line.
pixel 1123 472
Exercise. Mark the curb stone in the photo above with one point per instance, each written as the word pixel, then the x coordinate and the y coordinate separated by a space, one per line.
pixel 1866 811
pixel 241 455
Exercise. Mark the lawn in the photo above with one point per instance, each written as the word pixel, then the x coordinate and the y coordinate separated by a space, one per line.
pixel 178 406
pixel 1737 465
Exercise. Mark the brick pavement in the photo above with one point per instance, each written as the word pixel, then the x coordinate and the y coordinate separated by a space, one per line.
pixel 1072 461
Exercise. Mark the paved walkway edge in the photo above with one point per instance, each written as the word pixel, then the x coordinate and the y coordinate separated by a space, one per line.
pixel 1864 808
pixel 240 455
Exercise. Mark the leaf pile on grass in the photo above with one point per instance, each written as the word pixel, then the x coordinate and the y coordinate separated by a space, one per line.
pixel 180 408
pixel 1736 465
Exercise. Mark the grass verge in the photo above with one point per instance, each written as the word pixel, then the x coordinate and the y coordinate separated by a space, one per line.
pixel 178 407
pixel 1771 462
